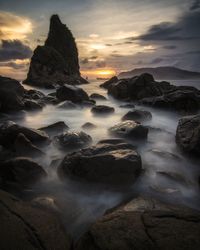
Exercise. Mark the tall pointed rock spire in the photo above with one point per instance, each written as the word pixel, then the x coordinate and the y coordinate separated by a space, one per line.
pixel 55 63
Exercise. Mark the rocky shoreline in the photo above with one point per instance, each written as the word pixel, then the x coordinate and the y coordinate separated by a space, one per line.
pixel 30 219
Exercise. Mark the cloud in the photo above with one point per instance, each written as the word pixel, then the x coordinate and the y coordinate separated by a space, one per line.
pixel 14 49
pixel 84 61
pixel 13 26
pixel 157 60
pixel 169 47
pixel 195 5
pixel 162 31
pixel 185 28
pixel 101 64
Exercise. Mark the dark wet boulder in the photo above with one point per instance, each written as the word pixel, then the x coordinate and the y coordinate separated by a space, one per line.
pixel 20 173
pixel 89 103
pixel 144 224
pixel 9 132
pixel 11 95
pixel 24 147
pixel 127 106
pixel 34 94
pixel 138 87
pixel 71 93
pixel 109 82
pixel 102 110
pixel 115 141
pixel 130 130
pixel 56 62
pixel 96 96
pixel 147 91
pixel 138 115
pixel 183 99
pixel 88 126
pixel 67 105
pixel 72 140
pixel 55 128
pixel 32 105
pixel 25 226
pixel 188 134
pixel 113 165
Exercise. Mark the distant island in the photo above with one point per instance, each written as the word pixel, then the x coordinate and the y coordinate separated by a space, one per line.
pixel 164 73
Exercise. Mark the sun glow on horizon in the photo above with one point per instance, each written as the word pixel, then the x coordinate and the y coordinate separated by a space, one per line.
pixel 99 73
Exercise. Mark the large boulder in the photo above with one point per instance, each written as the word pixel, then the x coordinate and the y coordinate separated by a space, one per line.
pixel 25 226
pixel 9 132
pixel 144 224
pixel 138 115
pixel 67 105
pixel 97 96
pixel 138 87
pixel 71 93
pixel 24 147
pixel 102 110
pixel 55 63
pixel 109 82
pixel 72 140
pixel 55 128
pixel 20 173
pixel 129 129
pixel 111 164
pixel 182 99
pixel 11 94
pixel 188 134
pixel 88 126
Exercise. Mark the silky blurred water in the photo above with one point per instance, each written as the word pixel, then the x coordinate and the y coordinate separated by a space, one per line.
pixel 81 204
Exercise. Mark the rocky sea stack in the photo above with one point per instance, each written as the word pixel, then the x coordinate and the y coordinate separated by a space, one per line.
pixel 56 62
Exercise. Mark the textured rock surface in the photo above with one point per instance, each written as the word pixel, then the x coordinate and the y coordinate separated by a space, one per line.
pixel 19 172
pixel 9 132
pixel 188 134
pixel 129 129
pixel 11 94
pixel 71 93
pixel 102 109
pixel 145 89
pixel 55 63
pixel 55 128
pixel 137 115
pixel 144 224
pixel 182 99
pixel 24 147
pixel 97 96
pixel 111 164
pixel 24 226
pixel 71 140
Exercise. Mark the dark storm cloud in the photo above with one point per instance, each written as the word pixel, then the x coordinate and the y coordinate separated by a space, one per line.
pixel 157 60
pixel 84 61
pixel 14 49
pixel 186 28
pixel 14 65
pixel 169 47
pixel 195 5
pixel 101 64
pixel 162 31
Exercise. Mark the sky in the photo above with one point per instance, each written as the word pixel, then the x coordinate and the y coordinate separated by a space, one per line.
pixel 111 35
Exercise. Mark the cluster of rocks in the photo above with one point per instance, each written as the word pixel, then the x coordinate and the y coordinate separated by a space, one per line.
pixel 14 97
pixel 144 89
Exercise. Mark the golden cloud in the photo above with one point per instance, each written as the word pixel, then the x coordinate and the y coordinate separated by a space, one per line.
pixel 13 26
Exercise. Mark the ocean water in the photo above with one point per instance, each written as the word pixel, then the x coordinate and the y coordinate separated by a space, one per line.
pixel 81 204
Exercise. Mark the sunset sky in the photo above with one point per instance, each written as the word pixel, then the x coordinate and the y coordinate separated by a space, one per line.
pixel 112 35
